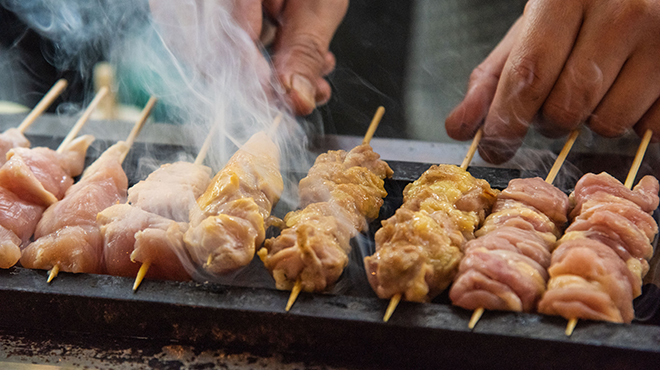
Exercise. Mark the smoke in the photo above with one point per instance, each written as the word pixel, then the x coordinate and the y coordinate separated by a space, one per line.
pixel 208 74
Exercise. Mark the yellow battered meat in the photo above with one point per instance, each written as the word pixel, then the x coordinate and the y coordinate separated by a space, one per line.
pixel 228 225
pixel 419 248
pixel 341 191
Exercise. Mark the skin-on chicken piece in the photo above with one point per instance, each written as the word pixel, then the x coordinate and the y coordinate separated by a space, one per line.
pixel 11 138
pixel 340 193
pixel 41 175
pixel 17 222
pixel 594 269
pixel 132 234
pixel 228 222
pixel 150 228
pixel 68 235
pixel 599 265
pixel 505 267
pixel 418 250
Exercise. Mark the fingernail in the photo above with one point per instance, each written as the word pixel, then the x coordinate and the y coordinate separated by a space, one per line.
pixel 304 88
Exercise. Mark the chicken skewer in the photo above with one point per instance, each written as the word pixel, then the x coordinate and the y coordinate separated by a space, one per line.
pixel 531 237
pixel 161 252
pixel 341 191
pixel 418 249
pixel 14 137
pixel 613 228
pixel 229 220
pixel 31 180
pixel 67 236
pixel 151 224
pixel 302 235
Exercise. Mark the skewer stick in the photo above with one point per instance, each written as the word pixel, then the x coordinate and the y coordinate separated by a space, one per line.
pixel 473 148
pixel 394 301
pixel 83 119
pixel 630 180
pixel 562 157
pixel 53 273
pixel 142 272
pixel 559 161
pixel 297 287
pixel 373 125
pixel 639 156
pixel 301 234
pixel 476 315
pixel 146 111
pixel 43 104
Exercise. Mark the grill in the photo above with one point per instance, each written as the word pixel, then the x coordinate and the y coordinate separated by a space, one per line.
pixel 343 327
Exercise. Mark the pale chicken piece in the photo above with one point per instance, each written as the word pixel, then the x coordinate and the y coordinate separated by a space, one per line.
pixel 631 211
pixel 135 235
pixel 601 268
pixel 10 250
pixel 339 194
pixel 11 138
pixel 150 228
pixel 18 216
pixel 644 194
pixel 419 249
pixel 520 274
pixel 41 175
pixel 507 211
pixel 68 234
pixel 228 223
pixel 171 190
pixel 538 194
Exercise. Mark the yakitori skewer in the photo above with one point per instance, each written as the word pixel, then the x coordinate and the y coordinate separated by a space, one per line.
pixel 201 155
pixel 303 232
pixel 37 254
pixel 32 179
pixel 559 161
pixel 630 180
pixel 394 301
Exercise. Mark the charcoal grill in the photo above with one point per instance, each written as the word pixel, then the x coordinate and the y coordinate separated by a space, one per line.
pixel 344 328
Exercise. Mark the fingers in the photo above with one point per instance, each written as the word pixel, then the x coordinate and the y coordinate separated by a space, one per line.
pixel 635 90
pixel 464 121
pixel 248 15
pixel 650 121
pixel 529 74
pixel 301 50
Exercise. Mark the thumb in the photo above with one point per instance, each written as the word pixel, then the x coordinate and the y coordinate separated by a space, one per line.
pixel 301 57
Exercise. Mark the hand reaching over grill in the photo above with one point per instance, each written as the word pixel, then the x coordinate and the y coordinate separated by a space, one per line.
pixel 301 37
pixel 561 64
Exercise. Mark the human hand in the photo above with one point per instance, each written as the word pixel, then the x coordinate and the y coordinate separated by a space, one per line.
pixel 563 63
pixel 300 51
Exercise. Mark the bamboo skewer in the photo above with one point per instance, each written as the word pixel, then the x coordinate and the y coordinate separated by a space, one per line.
pixel 129 143
pixel 373 125
pixel 630 180
pixel 43 104
pixel 82 120
pixel 559 161
pixel 375 121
